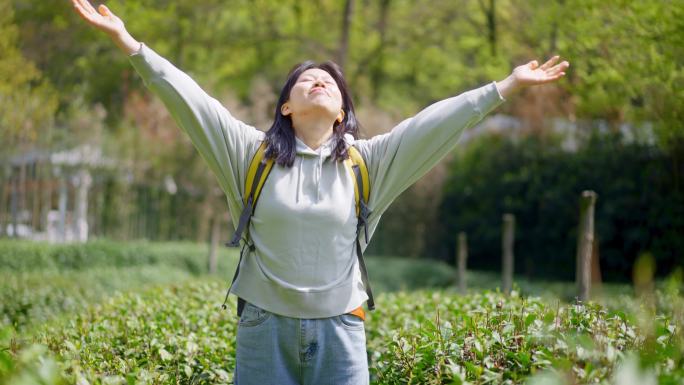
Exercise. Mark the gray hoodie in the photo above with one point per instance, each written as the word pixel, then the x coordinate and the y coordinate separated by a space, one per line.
pixel 304 262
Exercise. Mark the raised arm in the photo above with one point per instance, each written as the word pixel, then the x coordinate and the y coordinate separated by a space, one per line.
pixel 225 143
pixel 400 157
pixel 107 22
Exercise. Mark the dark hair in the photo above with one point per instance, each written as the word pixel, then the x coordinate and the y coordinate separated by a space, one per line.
pixel 280 138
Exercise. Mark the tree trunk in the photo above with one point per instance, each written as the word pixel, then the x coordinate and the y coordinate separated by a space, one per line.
pixel 344 36
pixel 490 15
pixel 378 68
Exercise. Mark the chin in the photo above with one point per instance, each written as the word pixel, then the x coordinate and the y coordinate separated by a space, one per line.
pixel 323 109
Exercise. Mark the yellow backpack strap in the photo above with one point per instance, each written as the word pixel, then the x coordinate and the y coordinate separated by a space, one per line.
pixel 256 177
pixel 357 167
pixel 359 171
pixel 257 171
pixel 259 168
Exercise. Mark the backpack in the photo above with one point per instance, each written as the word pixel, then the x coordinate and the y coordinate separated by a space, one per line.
pixel 258 171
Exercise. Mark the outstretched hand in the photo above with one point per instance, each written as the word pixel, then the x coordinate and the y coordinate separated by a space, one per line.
pixel 531 74
pixel 102 19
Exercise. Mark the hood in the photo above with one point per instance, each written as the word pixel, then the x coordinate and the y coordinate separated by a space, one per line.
pixel 324 150
pixel 320 154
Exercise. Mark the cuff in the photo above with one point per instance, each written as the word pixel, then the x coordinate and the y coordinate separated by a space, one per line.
pixel 147 63
pixel 498 90
pixel 486 98
pixel 138 51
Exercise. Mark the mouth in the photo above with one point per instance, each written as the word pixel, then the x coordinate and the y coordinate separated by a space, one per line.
pixel 316 90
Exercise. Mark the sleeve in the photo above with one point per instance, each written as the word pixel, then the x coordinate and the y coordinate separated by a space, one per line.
pixel 398 158
pixel 225 143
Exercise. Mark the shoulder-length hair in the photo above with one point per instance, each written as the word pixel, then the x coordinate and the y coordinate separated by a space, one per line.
pixel 280 138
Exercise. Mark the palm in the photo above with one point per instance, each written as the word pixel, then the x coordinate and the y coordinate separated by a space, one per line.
pixel 532 74
pixel 103 20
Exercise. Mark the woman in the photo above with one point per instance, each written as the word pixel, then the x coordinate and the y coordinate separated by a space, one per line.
pixel 303 322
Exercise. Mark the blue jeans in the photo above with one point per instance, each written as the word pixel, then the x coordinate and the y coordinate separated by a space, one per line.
pixel 273 349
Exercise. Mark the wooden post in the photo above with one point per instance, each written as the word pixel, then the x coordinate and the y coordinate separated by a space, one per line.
pixel 213 248
pixel 595 266
pixel 22 190
pixel 46 191
pixel 585 241
pixel 80 223
pixel 507 252
pixel 62 204
pixel 14 198
pixel 36 184
pixel 5 187
pixel 461 261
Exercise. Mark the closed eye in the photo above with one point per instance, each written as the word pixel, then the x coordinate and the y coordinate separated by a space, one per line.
pixel 328 81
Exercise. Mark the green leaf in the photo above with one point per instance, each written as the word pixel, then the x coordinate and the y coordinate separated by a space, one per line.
pixel 165 355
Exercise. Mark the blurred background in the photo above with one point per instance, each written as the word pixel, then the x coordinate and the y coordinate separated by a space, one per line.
pixel 112 264
pixel 86 152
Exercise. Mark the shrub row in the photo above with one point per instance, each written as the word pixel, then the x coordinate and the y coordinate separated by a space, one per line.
pixel 20 255
pixel 177 334
pixel 28 299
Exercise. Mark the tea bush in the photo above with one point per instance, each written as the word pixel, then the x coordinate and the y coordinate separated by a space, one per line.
pixel 20 255
pixel 179 334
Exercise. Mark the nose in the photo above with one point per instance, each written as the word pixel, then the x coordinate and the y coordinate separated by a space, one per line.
pixel 319 83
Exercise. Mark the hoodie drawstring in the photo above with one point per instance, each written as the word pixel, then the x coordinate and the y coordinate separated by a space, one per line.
pixel 323 152
pixel 299 179
pixel 318 177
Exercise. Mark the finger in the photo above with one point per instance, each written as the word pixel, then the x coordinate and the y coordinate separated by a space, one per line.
pixel 550 62
pixel 555 77
pixel 555 70
pixel 563 64
pixel 103 10
pixel 86 5
pixel 81 12
pixel 544 80
pixel 78 4
pixel 559 67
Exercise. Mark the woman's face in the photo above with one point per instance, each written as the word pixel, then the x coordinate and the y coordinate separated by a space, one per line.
pixel 314 93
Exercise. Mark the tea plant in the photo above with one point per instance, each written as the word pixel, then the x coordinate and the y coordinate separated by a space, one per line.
pixel 179 334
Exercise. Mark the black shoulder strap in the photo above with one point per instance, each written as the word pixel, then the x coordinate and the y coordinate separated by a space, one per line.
pixel 364 212
pixel 257 173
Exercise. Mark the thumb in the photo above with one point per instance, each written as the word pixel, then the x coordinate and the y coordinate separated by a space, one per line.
pixel 533 64
pixel 103 10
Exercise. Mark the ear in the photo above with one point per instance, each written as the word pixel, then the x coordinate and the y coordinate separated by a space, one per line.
pixel 285 109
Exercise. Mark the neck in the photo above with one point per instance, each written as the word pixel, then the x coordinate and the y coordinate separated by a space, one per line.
pixel 313 132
